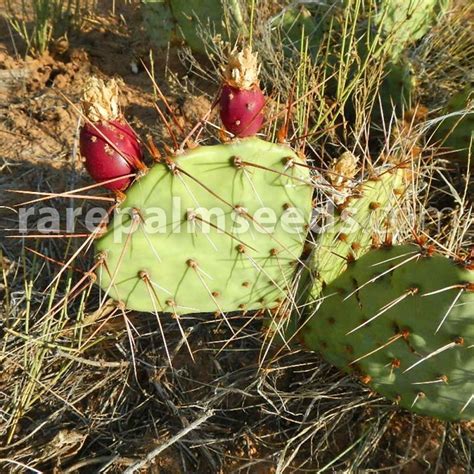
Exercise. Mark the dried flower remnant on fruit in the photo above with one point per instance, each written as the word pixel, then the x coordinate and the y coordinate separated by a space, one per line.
pixel 242 70
pixel 343 169
pixel 100 100
pixel 341 175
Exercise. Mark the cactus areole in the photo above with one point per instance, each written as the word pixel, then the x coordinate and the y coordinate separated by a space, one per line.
pixel 242 101
pixel 108 144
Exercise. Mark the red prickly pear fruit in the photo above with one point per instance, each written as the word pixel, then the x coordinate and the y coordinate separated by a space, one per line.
pixel 100 144
pixel 108 144
pixel 241 100
pixel 241 110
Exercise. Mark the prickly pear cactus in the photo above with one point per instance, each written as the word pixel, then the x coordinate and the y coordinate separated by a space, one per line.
pixel 455 131
pixel 403 320
pixel 219 228
pixel 195 15
pixel 396 89
pixel 365 218
pixel 406 21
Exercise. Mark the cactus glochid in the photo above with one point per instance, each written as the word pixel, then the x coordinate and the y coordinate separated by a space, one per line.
pixel 217 228
pixel 401 318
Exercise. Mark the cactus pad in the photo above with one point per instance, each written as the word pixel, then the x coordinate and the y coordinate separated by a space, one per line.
pixel 361 220
pixel 159 22
pixel 406 21
pixel 170 20
pixel 366 217
pixel 201 235
pixel 456 131
pixel 297 26
pixel 403 320
pixel 206 15
pixel 396 89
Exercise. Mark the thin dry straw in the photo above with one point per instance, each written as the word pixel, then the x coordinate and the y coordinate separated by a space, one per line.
pixel 157 451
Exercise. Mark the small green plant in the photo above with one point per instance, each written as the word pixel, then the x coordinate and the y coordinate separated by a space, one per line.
pixel 42 21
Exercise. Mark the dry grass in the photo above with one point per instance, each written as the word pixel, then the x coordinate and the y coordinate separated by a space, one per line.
pixel 444 58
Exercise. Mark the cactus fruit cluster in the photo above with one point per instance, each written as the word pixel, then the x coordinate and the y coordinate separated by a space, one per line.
pixel 401 319
pixel 210 230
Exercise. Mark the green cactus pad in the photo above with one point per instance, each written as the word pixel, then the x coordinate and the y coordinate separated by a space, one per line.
pixel 403 320
pixel 396 89
pixel 208 15
pixel 297 25
pixel 169 20
pixel 363 219
pixel 406 21
pixel 194 248
pixel 159 22
pixel 456 130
